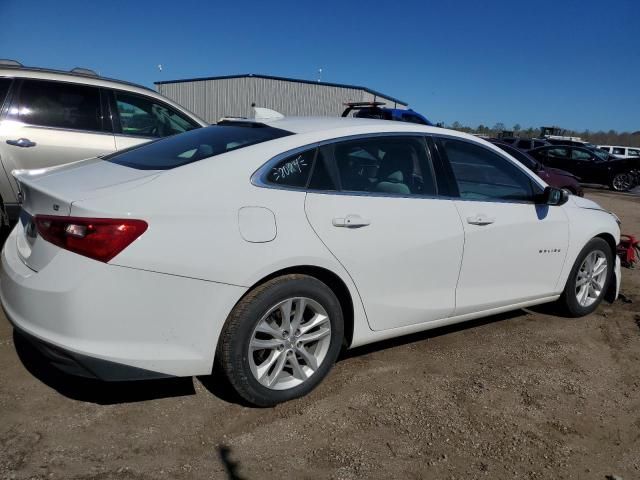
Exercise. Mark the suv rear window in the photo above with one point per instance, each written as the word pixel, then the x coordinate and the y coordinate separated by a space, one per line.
pixel 189 147
pixel 61 105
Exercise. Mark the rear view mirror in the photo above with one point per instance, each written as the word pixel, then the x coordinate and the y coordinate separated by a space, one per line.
pixel 554 196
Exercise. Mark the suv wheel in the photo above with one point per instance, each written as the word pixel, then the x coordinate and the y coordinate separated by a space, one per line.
pixel 622 182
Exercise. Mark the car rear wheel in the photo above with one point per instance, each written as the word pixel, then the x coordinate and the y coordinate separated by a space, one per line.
pixel 281 339
pixel 622 182
pixel 589 279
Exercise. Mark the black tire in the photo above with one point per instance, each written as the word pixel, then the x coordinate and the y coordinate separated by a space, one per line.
pixel 568 302
pixel 233 347
pixel 622 182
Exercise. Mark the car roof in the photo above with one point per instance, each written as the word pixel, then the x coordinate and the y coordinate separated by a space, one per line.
pixel 328 124
pixel 89 79
pixel 53 74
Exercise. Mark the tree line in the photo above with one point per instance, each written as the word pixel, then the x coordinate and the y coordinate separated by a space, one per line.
pixel 611 137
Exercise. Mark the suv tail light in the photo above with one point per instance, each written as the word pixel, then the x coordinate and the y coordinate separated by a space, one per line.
pixel 97 238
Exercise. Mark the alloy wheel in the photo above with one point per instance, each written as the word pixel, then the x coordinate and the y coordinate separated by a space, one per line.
pixel 289 343
pixel 623 182
pixel 591 278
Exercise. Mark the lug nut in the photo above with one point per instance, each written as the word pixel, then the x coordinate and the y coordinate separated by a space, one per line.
pixel 280 348
pixel 297 334
pixel 299 344
pixel 285 334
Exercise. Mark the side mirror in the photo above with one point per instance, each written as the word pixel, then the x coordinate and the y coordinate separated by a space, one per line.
pixel 554 196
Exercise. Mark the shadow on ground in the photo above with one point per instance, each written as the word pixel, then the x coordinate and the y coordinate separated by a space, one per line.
pixel 108 393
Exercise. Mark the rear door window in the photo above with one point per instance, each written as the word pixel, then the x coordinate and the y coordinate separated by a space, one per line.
pixel 60 105
pixel 195 145
pixel 557 153
pixel 387 165
pixel 618 151
pixel 5 83
pixel 632 152
pixel 143 117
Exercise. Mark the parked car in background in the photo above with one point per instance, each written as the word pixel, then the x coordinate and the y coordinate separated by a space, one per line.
pixel 51 117
pixel 523 143
pixel 288 242
pixel 591 165
pixel 621 152
pixel 553 176
pixel 379 111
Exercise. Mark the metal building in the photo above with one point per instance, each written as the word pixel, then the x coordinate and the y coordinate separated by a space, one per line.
pixel 231 96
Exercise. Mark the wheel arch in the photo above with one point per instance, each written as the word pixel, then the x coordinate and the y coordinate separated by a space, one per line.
pixel 610 294
pixel 333 281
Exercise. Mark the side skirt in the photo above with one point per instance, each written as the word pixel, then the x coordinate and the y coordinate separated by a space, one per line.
pixel 375 336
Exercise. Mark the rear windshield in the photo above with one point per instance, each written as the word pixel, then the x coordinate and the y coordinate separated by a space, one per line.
pixel 189 147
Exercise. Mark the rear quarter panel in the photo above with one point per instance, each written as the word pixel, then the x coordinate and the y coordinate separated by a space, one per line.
pixel 194 231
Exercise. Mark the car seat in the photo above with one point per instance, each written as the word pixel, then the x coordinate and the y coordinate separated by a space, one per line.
pixel 395 169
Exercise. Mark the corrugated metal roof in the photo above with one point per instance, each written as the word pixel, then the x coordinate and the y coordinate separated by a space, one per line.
pixel 284 79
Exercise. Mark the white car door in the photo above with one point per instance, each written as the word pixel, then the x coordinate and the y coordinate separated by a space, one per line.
pixel 401 244
pixel 141 119
pixel 514 249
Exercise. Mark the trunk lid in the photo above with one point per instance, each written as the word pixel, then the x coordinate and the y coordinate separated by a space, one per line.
pixel 52 191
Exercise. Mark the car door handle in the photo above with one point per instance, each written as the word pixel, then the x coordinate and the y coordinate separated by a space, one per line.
pixel 21 142
pixel 480 219
pixel 351 221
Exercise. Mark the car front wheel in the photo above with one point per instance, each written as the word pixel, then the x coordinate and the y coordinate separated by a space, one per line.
pixel 589 279
pixel 281 339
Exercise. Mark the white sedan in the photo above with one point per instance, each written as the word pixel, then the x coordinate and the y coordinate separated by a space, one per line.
pixel 266 248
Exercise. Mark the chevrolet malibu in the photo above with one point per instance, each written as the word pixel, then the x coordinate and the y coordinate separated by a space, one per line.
pixel 264 249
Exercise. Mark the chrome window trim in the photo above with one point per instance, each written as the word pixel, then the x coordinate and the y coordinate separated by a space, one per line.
pixel 258 178
pixel 72 130
pixel 128 135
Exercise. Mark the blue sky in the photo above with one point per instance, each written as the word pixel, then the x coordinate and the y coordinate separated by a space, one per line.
pixel 566 62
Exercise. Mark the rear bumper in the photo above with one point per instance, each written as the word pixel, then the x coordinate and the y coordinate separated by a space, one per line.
pixel 86 366
pixel 112 322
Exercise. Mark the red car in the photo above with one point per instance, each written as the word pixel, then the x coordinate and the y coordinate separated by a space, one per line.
pixel 553 176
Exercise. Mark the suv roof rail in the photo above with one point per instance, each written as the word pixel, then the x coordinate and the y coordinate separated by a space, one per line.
pixel 6 62
pixel 84 71
pixel 363 104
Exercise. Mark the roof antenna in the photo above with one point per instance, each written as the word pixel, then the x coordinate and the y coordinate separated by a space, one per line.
pixel 320 74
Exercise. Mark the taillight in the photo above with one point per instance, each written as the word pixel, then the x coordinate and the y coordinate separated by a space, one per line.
pixel 97 238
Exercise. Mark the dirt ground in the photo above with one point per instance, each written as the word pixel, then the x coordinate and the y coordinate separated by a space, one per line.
pixel 524 395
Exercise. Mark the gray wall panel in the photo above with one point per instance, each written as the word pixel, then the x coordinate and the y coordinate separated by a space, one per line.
pixel 213 99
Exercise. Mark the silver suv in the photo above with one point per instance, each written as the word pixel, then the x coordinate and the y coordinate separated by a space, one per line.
pixel 50 117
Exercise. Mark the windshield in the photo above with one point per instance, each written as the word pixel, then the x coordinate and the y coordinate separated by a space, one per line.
pixel 189 147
